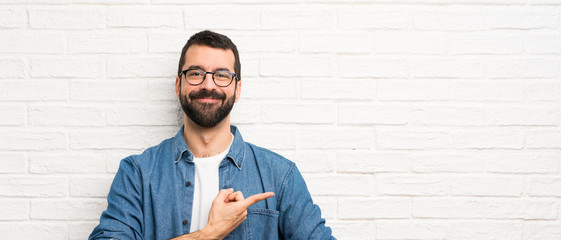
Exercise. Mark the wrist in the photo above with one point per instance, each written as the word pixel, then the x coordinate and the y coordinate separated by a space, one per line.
pixel 207 233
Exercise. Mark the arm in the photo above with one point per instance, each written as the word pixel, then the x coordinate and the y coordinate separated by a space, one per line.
pixel 228 211
pixel 299 217
pixel 123 217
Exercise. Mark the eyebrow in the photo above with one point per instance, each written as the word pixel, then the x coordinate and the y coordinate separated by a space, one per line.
pixel 201 68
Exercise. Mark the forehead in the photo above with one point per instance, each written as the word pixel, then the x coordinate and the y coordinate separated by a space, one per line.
pixel 209 57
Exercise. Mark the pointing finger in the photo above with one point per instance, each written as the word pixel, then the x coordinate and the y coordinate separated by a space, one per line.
pixel 256 198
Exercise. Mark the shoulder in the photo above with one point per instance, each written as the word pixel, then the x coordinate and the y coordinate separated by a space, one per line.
pixel 150 158
pixel 268 157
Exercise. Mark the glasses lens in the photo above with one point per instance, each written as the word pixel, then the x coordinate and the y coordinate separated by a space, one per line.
pixel 223 78
pixel 195 76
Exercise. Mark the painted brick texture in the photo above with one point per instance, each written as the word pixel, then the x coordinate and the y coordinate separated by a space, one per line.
pixel 409 119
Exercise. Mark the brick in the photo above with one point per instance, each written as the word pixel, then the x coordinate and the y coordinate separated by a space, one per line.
pixel 328 206
pixel 539 139
pixel 144 114
pixel 262 1
pixel 68 18
pixel 264 42
pixel 386 139
pixel 448 162
pixel 251 65
pixel 426 90
pixel 522 18
pixel 543 91
pixel 297 66
pixel 77 231
pixel 144 17
pixel 179 2
pixel 348 42
pixel 134 67
pixel 372 162
pixel 449 208
pixel 107 42
pixel 270 138
pixel 356 89
pixel 522 68
pixel 298 113
pixel 447 115
pixel 298 19
pixel 447 19
pixel 339 185
pixel 521 209
pixel 448 68
pixel 341 138
pixel 544 43
pixel 34 1
pixel 374 18
pixel 32 140
pixel 30 186
pixel 167 42
pixel 373 67
pixel 14 209
pixel 482 139
pixel 412 185
pixel 13 115
pixel 268 88
pixel 234 18
pixel 119 138
pixel 493 43
pixel 66 115
pixel 538 162
pixel 13 18
pixel 244 113
pixel 113 158
pixel 545 186
pixel 108 90
pixel 486 91
pixel 63 209
pixel 373 114
pixel 12 68
pixel 110 2
pixel 32 230
pixel 33 90
pixel 316 161
pixel 487 186
pixel 400 42
pixel 360 208
pixel 410 230
pixel 523 115
pixel 90 186
pixel 486 230
pixel 544 2
pixel 31 42
pixel 67 67
pixel 352 229
pixel 66 162
pixel 542 230
pixel 13 162
pixel 162 90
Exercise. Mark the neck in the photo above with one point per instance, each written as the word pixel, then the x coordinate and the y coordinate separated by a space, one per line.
pixel 207 142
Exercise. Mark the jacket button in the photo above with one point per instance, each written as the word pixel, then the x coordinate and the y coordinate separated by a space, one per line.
pixel 188 183
pixel 185 222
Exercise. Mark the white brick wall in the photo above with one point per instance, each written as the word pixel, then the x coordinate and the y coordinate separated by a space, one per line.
pixel 410 119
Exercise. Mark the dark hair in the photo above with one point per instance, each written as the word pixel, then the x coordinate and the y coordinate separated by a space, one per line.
pixel 214 40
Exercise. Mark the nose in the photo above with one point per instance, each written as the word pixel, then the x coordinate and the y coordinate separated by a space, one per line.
pixel 208 82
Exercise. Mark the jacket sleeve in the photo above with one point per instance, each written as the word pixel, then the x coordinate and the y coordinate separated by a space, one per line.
pixel 299 217
pixel 123 217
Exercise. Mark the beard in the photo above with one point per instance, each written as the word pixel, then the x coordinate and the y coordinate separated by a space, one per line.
pixel 206 114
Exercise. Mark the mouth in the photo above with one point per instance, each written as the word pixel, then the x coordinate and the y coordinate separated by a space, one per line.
pixel 206 100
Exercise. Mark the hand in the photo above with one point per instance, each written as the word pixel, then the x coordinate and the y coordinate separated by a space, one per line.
pixel 228 211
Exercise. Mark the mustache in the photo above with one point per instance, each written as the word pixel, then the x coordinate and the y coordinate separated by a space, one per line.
pixel 207 94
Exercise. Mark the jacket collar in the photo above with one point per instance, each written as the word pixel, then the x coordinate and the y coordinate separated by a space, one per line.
pixel 236 153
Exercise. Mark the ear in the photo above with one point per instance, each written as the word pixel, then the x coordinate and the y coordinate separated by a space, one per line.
pixel 177 86
pixel 238 90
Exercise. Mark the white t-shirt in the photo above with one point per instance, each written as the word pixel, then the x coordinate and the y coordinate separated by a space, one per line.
pixel 206 185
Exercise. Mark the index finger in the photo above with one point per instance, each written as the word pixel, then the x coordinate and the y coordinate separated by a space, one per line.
pixel 256 198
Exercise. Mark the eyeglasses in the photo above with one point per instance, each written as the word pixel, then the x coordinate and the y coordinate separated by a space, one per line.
pixel 221 78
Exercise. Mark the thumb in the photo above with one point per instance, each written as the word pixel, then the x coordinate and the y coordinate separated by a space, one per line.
pixel 223 194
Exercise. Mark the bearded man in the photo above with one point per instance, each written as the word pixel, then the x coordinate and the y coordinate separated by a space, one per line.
pixel 192 186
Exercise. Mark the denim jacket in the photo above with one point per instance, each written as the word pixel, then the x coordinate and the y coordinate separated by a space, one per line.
pixel 151 196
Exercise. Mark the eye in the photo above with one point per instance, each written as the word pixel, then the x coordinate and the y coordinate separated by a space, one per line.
pixel 222 75
pixel 194 73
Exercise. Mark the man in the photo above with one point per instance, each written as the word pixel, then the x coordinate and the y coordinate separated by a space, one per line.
pixel 172 190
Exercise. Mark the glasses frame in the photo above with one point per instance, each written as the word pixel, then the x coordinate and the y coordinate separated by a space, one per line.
pixel 183 73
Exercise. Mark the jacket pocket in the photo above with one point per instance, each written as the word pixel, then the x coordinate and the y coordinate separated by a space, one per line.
pixel 262 223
